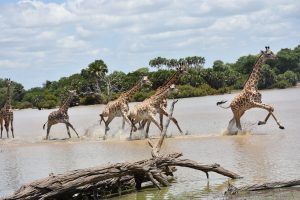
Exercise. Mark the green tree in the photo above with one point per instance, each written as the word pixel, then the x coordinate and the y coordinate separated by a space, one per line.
pixel 244 64
pixel 97 71
pixel 268 78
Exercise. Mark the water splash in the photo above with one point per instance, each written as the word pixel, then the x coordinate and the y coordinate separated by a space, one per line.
pixel 233 130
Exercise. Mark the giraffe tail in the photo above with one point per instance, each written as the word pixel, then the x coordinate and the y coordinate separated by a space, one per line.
pixel 219 103
pixel 45 125
pixel 102 118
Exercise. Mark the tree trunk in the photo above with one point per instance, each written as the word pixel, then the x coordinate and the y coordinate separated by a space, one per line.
pixel 265 186
pixel 102 181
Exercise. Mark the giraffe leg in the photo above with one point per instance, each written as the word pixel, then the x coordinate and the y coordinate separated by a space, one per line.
pixel 266 119
pixel 147 128
pixel 123 123
pixel 48 130
pixel 6 125
pixel 133 127
pixel 231 123
pixel 70 125
pixel 161 117
pixel 142 124
pixel 277 122
pixel 270 109
pixel 1 123
pixel 125 117
pixel 107 122
pixel 151 117
pixel 68 130
pixel 12 127
pixel 164 112
pixel 237 118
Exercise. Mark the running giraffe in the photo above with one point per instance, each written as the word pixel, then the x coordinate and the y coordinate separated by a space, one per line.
pixel 250 97
pixel 6 113
pixel 119 107
pixel 182 69
pixel 61 115
pixel 147 110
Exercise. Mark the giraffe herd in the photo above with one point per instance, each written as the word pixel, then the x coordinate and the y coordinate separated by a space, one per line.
pixel 144 113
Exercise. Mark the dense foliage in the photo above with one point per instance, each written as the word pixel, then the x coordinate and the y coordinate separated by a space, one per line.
pixel 95 85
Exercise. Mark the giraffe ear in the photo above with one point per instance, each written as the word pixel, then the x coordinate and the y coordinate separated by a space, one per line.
pixel 262 51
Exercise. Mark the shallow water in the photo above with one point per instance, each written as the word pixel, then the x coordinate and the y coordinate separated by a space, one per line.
pixel 261 154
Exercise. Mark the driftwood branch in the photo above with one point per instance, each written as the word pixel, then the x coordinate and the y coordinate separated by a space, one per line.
pixel 265 186
pixel 156 147
pixel 100 181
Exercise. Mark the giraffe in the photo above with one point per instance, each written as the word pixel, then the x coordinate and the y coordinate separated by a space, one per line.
pixel 119 107
pixel 163 104
pixel 148 109
pixel 61 115
pixel 250 97
pixel 6 113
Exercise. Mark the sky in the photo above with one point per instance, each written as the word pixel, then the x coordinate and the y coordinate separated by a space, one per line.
pixel 45 40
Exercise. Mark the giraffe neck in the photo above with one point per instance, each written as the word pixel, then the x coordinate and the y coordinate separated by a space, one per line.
pixel 171 81
pixel 128 94
pixel 66 104
pixel 8 99
pixel 157 98
pixel 255 75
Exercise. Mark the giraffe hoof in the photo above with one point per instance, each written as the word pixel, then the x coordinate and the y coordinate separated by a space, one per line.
pixel 260 123
pixel 281 127
pixel 104 137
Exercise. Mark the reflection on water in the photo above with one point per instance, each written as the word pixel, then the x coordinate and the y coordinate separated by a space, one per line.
pixel 261 154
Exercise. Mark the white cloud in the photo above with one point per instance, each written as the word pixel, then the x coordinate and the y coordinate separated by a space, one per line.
pixel 69 35
pixel 70 42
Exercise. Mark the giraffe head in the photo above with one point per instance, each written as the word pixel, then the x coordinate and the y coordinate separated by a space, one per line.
pixel 182 68
pixel 268 54
pixel 8 82
pixel 72 92
pixel 145 81
pixel 173 89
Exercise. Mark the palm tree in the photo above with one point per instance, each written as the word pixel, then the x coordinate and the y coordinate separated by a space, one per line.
pixel 97 71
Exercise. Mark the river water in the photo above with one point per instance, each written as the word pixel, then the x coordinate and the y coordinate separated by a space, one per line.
pixel 260 154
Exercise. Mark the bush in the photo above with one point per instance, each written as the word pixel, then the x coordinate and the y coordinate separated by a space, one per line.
pixel 90 100
pixel 291 77
pixel 23 105
pixel 48 104
pixel 141 95
pixel 282 84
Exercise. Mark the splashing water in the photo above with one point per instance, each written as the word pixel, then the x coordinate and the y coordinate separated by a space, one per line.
pixel 233 130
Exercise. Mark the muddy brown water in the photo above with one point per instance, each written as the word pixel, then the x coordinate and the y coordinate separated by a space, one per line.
pixel 260 154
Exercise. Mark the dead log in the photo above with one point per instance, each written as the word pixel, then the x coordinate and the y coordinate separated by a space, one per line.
pixel 156 147
pixel 265 186
pixel 94 180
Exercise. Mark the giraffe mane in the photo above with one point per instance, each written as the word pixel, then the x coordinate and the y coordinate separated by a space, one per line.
pixel 252 69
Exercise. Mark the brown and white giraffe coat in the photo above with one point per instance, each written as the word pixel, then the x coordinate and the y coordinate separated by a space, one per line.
pixel 149 108
pixel 250 97
pixel 61 116
pixel 6 113
pixel 163 103
pixel 119 107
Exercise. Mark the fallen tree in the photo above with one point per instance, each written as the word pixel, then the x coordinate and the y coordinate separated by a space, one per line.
pixel 265 186
pixel 101 182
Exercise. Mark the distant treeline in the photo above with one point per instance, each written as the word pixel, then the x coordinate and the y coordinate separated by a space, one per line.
pixel 94 85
